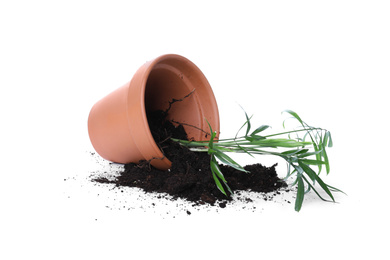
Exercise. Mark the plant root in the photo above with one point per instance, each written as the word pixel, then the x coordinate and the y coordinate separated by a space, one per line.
pixel 173 101
pixel 176 122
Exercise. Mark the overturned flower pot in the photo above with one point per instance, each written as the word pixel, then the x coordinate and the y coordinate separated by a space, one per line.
pixel 118 125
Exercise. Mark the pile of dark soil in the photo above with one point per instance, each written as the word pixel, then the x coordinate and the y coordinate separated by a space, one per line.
pixel 190 175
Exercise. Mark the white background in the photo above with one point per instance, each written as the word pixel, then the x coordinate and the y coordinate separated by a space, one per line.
pixel 327 60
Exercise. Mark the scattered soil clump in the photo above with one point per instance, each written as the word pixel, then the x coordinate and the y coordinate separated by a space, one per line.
pixel 190 176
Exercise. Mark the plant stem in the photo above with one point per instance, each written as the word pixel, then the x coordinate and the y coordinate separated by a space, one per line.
pixel 297 154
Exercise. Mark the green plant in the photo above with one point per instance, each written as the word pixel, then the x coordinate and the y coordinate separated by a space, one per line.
pixel 300 154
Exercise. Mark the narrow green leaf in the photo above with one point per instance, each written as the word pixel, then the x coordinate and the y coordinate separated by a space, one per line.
pixel 290 152
pixel 328 138
pixel 312 187
pixel 213 134
pixel 330 144
pixel 298 169
pixel 303 155
pixel 298 152
pixel 311 162
pixel 214 167
pixel 305 135
pixel 224 158
pixel 218 183
pixel 335 189
pixel 326 160
pixel 294 115
pixel 252 138
pixel 248 124
pixel 302 151
pixel 259 129
pixel 300 194
pixel 305 168
pixel 314 176
pixel 318 156
pixel 308 189
pixel 245 150
pixel 216 170
pixel 278 142
pixel 288 171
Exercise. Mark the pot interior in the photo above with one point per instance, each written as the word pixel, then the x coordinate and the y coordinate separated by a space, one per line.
pixel 167 83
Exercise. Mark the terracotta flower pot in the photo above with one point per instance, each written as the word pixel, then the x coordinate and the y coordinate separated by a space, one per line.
pixel 118 126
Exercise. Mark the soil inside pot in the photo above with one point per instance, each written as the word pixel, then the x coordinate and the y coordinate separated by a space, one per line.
pixel 190 175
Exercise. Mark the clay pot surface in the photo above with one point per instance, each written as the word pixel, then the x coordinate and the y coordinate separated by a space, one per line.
pixel 117 124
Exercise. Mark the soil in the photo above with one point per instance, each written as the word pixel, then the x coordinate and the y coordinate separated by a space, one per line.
pixel 190 177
